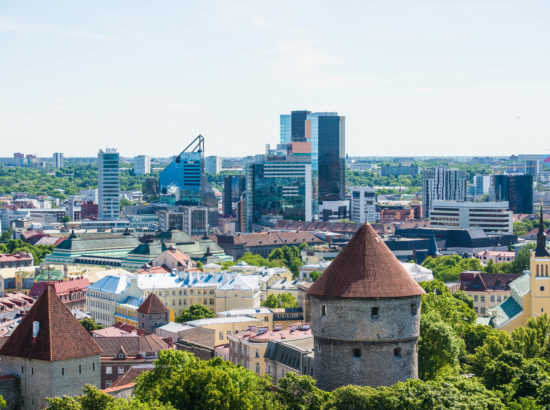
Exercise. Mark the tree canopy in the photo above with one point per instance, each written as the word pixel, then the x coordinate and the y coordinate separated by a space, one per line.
pixel 195 312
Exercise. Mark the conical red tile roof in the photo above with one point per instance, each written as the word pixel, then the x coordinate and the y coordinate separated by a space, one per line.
pixel 152 305
pixel 60 336
pixel 365 268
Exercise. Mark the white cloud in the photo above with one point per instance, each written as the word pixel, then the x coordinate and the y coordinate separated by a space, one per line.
pixel 59 108
pixel 60 99
pixel 27 118
pixel 423 90
pixel 18 27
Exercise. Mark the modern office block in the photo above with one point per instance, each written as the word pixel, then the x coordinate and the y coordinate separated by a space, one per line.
pixel 442 183
pixel 142 165
pixel 399 169
pixel 492 217
pixel 298 125
pixel 286 128
pixel 212 164
pixel 108 176
pixel 278 190
pixel 58 161
pixel 233 188
pixel 516 189
pixel 482 184
pixel 363 204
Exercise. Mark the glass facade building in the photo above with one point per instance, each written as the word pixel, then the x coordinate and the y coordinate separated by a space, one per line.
pixel 286 130
pixel 517 190
pixel 298 125
pixel 233 187
pixel 108 182
pixel 278 190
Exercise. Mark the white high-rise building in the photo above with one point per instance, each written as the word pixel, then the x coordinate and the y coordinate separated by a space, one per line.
pixel 108 183
pixel 142 165
pixel 442 183
pixel 482 184
pixel 363 204
pixel 58 161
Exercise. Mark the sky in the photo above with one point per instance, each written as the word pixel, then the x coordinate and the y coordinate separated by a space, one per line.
pixel 412 77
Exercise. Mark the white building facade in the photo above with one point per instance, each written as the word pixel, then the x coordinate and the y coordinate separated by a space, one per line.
pixel 363 204
pixel 142 165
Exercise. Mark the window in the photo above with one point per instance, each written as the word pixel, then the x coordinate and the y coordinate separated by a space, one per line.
pixel 93 367
pixel 492 298
pixel 108 370
pixel 374 312
pixel 257 354
pixel 258 368
pixel 499 299
pixel 323 310
pixel 318 347
pixel 413 309
pixel 542 288
pixel 397 352
pixel 79 368
pixel 475 309
pixel 356 353
pixel 475 298
pixel 482 298
pixel 482 310
pixel 221 335
pixel 62 371
pixel 120 370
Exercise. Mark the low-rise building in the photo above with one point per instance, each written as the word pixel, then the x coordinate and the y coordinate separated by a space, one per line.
pixel 495 256
pixel 487 289
pixel 71 291
pixel 16 260
pixel 283 356
pixel 248 348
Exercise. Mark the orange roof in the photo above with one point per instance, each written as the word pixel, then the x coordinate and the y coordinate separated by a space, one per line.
pixel 365 268
pixel 152 305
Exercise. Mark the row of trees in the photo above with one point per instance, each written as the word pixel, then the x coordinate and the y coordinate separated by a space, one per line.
pixel 287 256
pixel 65 181
pixel 447 268
pixel 38 252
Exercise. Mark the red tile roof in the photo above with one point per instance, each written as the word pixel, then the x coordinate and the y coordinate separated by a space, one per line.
pixel 60 287
pixel 152 305
pixel 21 256
pixel 365 268
pixel 60 336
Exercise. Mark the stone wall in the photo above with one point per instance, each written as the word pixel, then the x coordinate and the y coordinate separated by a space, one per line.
pixel 42 379
pixel 365 341
pixel 10 391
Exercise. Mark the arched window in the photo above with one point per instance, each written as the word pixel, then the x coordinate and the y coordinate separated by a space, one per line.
pixel 537 270
pixel 546 269
pixel 323 310
pixel 374 312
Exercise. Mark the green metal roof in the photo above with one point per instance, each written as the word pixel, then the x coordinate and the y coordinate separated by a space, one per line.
pixel 510 307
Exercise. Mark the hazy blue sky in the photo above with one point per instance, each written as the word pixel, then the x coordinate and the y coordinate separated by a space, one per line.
pixel 417 77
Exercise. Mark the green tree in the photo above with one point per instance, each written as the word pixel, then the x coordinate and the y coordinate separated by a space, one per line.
pixel 300 392
pixel 281 300
pixel 66 219
pixel 314 275
pixel 195 312
pixel 447 268
pixel 460 295
pixel 90 324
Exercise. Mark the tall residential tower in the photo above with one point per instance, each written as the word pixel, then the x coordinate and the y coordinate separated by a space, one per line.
pixel 108 183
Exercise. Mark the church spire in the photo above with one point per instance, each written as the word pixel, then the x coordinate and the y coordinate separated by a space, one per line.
pixel 541 238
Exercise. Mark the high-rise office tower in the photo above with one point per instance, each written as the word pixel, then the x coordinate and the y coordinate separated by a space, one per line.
pixel 298 125
pixel 533 167
pixel 233 187
pixel 327 133
pixel 108 175
pixel 442 183
pixel 142 165
pixel 278 188
pixel 58 161
pixel 482 184
pixel 516 189
pixel 286 128
pixel 184 182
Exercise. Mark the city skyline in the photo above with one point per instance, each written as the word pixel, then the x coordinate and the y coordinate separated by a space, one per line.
pixel 410 77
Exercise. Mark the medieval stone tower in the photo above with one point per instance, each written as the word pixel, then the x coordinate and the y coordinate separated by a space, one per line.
pixel 365 317
pixel 152 313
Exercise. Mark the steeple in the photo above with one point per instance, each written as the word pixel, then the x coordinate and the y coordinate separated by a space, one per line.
pixel 541 238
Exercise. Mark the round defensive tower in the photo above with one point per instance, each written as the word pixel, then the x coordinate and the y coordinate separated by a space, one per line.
pixel 365 317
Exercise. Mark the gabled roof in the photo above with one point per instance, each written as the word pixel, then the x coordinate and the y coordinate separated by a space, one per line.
pixel 132 345
pixel 60 336
pixel 365 268
pixel 152 305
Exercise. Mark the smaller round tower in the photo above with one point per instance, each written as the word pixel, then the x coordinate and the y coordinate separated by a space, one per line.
pixel 365 317
pixel 152 313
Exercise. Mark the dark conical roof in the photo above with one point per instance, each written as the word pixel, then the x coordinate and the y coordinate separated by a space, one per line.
pixel 152 305
pixel 60 336
pixel 365 268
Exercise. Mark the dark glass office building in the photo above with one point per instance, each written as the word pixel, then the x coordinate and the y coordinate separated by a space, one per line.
pixel 233 187
pixel 298 125
pixel 278 190
pixel 330 135
pixel 517 190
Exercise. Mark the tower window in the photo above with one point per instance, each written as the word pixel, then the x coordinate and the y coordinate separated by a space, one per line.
pixel 397 352
pixel 356 353
pixel 542 288
pixel 62 371
pixel 323 310
pixel 319 347
pixel 413 309
pixel 374 312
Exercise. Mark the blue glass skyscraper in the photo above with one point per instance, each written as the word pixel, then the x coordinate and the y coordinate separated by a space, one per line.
pixel 286 128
